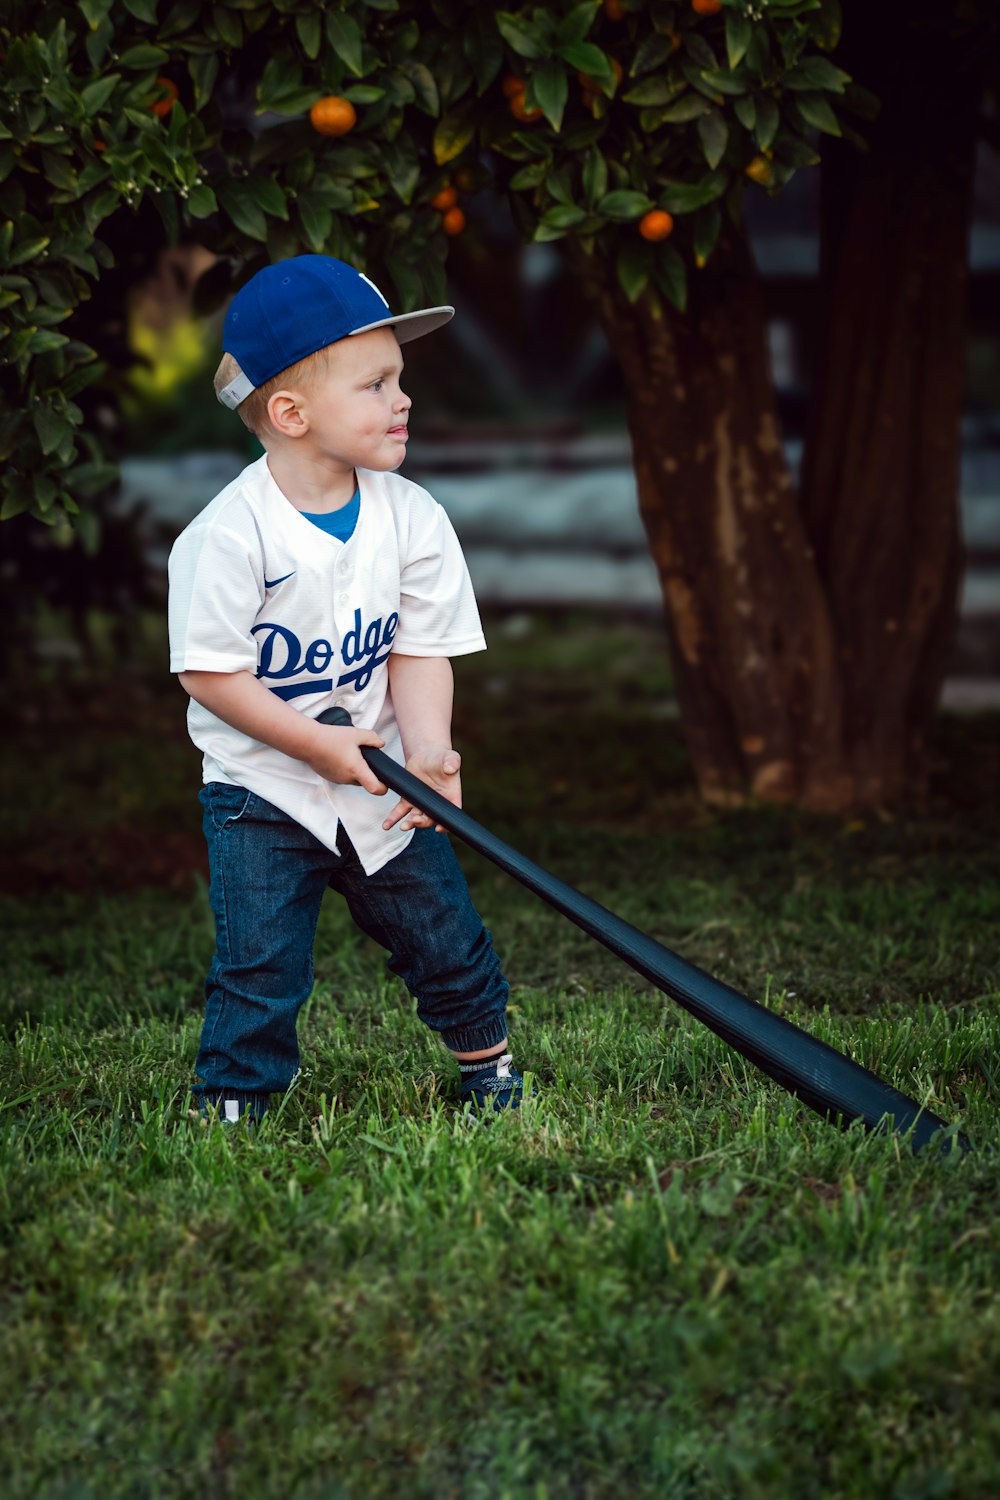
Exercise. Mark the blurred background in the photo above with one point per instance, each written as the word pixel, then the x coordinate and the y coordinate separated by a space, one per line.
pixel 519 418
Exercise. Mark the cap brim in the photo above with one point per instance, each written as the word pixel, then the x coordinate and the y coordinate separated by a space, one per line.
pixel 411 325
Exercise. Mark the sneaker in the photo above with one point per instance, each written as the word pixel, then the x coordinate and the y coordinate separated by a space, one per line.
pixel 230 1109
pixel 496 1087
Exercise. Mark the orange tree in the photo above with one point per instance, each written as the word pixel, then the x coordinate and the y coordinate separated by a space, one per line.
pixel 627 131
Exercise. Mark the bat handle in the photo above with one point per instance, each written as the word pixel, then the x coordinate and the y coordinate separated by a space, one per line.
pixel 338 717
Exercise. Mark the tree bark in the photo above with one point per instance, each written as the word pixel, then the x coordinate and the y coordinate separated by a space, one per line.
pixel 880 477
pixel 809 637
pixel 752 650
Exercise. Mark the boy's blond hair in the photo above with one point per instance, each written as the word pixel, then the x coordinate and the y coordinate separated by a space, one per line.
pixel 253 411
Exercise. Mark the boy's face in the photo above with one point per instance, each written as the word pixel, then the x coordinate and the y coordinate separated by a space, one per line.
pixel 352 411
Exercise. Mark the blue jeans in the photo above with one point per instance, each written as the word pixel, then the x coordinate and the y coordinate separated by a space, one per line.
pixel 268 877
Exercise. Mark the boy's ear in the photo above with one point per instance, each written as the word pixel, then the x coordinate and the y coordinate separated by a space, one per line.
pixel 284 412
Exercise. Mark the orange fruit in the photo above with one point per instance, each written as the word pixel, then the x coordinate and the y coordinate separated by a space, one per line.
pixel 512 85
pixel 465 178
pixel 676 41
pixel 656 225
pixel 706 7
pixel 613 10
pixel 453 222
pixel 520 111
pixel 333 115
pixel 167 90
pixel 760 170
pixel 445 199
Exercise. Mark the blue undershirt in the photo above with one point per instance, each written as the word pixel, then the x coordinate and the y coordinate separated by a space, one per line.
pixel 338 523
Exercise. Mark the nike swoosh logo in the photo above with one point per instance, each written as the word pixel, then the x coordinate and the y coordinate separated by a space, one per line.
pixel 272 583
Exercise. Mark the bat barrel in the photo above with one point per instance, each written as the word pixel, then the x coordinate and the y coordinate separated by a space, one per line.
pixel 826 1080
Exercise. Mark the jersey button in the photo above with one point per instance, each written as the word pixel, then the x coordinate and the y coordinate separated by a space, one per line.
pixel 343 598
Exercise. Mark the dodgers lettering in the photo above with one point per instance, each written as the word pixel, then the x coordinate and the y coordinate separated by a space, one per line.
pixel 366 650
pixel 281 655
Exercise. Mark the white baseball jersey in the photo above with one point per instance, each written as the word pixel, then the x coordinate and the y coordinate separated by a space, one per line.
pixel 255 586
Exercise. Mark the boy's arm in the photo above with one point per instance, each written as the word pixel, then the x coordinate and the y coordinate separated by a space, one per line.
pixel 242 700
pixel 422 690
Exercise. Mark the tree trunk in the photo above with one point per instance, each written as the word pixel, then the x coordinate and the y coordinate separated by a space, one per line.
pixel 752 650
pixel 809 640
pixel 880 478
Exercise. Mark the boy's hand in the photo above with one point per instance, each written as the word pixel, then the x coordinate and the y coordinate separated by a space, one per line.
pixel 440 767
pixel 337 757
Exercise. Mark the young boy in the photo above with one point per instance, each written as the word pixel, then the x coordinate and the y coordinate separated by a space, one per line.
pixel 321 577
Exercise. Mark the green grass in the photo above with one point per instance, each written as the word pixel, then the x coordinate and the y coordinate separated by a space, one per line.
pixel 665 1278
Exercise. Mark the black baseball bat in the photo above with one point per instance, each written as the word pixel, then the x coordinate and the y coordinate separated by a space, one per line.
pixel 823 1078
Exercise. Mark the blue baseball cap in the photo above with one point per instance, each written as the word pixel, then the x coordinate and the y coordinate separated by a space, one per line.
pixel 292 309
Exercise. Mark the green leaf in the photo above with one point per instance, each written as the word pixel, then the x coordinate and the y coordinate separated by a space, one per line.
pixel 53 429
pixel 27 250
pixel 201 202
pixel 204 71
pixel 399 158
pixel 690 107
pixel 549 89
pixel 815 110
pixel 758 58
pixel 424 85
pixel 563 216
pixel 521 35
pixel 768 120
pixel 238 203
pixel 653 91
pixel 94 11
pixel 738 33
pixel 530 176
pixel 363 93
pixel 344 36
pixel 651 52
pixel 267 194
pixel 590 60
pixel 59 171
pixel 714 135
pixel 453 133
pixel 45 340
pixel 294 103
pixel 861 102
pixel 309 29
pixel 143 10
pixel 228 26
pixel 166 206
pixel 706 232
pixel 624 204
pixel 795 152
pixel 671 276
pixel 317 221
pixel 98 42
pixel 335 195
pixel 560 185
pixel 745 111
pixel 685 197
pixel 725 83
pixel 574 27
pixel 96 94
pixel 816 73
pixel 144 56
pixel 595 176
pixel 634 267
pixel 16 501
pixel 826 27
